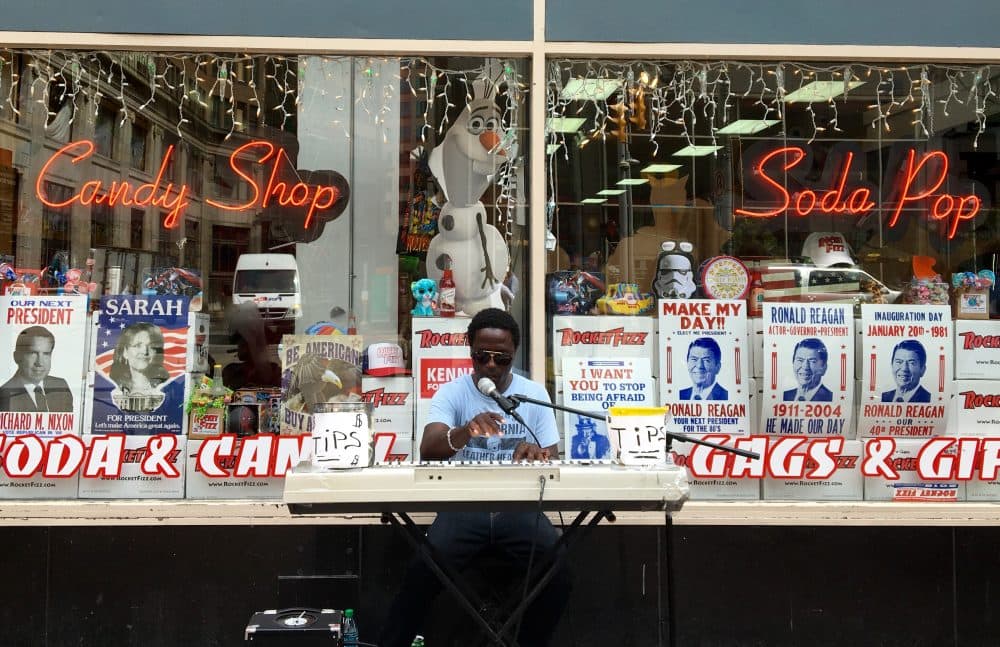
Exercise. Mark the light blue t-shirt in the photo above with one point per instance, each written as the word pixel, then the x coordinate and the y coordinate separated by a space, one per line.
pixel 457 402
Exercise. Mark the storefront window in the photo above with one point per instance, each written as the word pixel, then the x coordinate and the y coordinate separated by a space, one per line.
pixel 303 192
pixel 812 200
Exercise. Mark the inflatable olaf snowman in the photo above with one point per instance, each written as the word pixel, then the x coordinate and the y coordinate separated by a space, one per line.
pixel 465 164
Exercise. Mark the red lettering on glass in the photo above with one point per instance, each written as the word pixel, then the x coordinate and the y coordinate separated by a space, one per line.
pixel 300 194
pixel 144 195
pixel 859 201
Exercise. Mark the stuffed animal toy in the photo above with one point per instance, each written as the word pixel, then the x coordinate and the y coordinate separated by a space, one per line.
pixel 425 293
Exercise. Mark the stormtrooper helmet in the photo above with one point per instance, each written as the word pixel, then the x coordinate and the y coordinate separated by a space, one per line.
pixel 674 271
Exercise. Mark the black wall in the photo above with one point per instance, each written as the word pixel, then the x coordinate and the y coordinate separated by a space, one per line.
pixel 733 586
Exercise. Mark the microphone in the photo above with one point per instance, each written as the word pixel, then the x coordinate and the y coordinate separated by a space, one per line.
pixel 488 388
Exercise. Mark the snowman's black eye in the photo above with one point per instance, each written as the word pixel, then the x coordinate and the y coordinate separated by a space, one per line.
pixel 476 125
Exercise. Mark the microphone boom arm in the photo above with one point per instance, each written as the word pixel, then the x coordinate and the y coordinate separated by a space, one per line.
pixel 518 399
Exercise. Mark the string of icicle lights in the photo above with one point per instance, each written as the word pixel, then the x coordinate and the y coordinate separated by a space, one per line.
pixel 175 91
pixel 697 98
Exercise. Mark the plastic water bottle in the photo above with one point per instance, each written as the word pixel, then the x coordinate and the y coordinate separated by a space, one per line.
pixel 350 629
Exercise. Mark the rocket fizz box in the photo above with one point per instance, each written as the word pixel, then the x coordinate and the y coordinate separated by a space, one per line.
pixel 808 384
pixel 602 336
pixel 906 377
pixel 594 385
pixel 316 370
pixel 713 487
pixel 891 472
pixel 977 349
pixel 704 379
pixel 844 482
pixel 440 353
pixel 33 469
pixel 44 338
pixel 393 411
pixel 249 412
pixel 230 486
pixel 137 467
pixel 140 350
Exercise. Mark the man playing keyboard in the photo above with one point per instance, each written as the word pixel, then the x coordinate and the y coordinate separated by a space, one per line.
pixel 466 425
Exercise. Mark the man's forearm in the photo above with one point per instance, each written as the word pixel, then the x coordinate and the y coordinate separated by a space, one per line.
pixel 434 445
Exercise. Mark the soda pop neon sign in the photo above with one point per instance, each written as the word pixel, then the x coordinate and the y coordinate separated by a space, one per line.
pixel 313 197
pixel 859 202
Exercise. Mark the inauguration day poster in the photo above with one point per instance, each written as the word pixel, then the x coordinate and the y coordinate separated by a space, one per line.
pixel 140 355
pixel 41 388
pixel 907 370
pixel 808 369
pixel 704 370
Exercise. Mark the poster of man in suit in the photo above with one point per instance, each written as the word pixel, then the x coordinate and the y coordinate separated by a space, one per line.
pixel 704 365
pixel 808 356
pixel 42 392
pixel 907 370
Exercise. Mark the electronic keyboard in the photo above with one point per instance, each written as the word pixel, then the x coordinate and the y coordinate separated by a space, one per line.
pixel 441 486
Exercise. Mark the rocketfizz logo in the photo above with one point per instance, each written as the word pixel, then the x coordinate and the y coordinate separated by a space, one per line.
pixel 614 337
pixel 380 397
pixel 972 341
pixel 430 339
pixel 831 244
pixel 973 400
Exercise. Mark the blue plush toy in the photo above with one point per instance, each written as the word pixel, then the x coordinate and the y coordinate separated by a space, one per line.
pixel 425 293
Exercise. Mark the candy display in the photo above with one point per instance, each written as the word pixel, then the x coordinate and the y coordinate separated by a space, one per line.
pixel 932 291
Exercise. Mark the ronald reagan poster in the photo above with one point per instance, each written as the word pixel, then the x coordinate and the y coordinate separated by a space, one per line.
pixel 907 367
pixel 704 373
pixel 140 355
pixel 808 368
pixel 41 388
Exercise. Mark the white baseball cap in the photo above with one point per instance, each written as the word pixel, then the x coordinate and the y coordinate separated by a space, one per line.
pixel 383 359
pixel 826 248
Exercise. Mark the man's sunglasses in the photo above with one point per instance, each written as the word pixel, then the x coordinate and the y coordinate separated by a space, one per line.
pixel 500 359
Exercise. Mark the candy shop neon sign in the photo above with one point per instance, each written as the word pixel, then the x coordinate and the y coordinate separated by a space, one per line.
pixel 174 199
pixel 859 202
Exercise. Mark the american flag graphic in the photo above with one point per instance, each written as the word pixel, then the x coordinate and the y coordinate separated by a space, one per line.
pixel 174 346
pixel 783 283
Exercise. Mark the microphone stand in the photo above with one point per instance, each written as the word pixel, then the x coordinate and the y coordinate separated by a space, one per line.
pixel 668 528
pixel 518 399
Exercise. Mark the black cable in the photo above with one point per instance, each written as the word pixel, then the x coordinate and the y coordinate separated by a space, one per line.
pixel 531 554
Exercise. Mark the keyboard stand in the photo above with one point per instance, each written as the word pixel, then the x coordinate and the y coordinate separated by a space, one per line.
pixel 467 598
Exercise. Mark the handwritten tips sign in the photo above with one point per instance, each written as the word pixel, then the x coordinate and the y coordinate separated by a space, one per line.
pixel 808 368
pixel 704 368
pixel 341 437
pixel 594 385
pixel 638 435
pixel 907 370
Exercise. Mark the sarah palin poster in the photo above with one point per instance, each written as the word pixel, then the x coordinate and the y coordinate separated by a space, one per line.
pixel 140 354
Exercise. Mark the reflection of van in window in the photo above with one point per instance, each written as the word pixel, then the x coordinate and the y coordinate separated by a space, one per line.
pixel 271 282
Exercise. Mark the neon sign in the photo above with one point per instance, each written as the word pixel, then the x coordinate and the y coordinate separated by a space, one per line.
pixel 315 198
pixel 859 202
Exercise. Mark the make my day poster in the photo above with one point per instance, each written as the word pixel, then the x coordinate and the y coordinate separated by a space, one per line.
pixel 43 338
pixel 808 368
pixel 140 356
pixel 907 355
pixel 594 385
pixel 317 370
pixel 704 378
